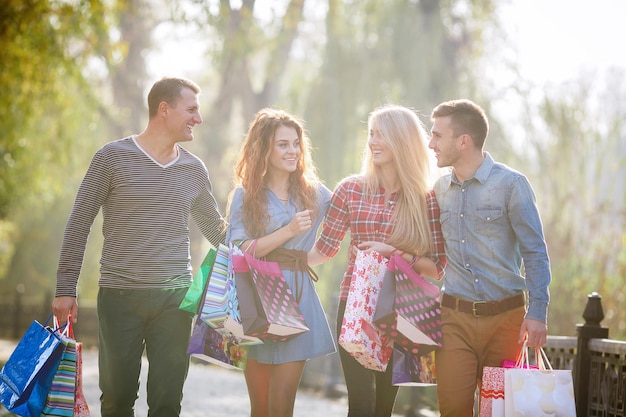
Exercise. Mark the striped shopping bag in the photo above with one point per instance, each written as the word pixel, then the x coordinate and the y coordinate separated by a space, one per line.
pixel 60 399
pixel 219 289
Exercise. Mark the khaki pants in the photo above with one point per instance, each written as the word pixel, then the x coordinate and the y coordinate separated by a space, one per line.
pixel 469 343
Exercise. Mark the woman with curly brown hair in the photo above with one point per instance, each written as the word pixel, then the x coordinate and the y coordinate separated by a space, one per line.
pixel 275 209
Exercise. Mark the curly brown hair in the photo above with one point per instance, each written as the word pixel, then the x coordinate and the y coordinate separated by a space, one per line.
pixel 252 166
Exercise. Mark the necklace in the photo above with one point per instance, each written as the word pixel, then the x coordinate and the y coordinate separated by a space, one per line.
pixel 284 200
pixel 280 198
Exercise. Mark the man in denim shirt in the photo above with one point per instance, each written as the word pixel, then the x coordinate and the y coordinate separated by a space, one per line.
pixel 491 225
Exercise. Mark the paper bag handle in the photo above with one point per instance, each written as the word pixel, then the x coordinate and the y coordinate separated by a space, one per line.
pixel 523 360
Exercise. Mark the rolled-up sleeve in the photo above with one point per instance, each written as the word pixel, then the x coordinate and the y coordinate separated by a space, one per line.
pixel 336 223
pixel 438 250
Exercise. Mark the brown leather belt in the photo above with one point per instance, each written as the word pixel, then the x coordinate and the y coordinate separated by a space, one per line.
pixel 483 308
pixel 293 260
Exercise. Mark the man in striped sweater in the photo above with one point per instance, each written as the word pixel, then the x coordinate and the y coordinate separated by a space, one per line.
pixel 148 186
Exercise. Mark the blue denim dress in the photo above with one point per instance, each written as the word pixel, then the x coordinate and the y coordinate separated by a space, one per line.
pixel 318 341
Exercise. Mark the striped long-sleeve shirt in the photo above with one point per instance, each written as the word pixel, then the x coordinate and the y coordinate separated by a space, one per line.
pixel 146 208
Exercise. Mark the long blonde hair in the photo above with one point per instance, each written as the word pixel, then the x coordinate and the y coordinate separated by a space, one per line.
pixel 252 166
pixel 404 134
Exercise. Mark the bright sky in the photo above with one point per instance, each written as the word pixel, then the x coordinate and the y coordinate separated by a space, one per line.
pixel 559 39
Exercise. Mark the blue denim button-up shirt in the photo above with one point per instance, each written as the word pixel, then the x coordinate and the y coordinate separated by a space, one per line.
pixel 491 224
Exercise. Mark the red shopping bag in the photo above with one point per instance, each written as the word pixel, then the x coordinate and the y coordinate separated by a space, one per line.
pixel 81 409
pixel 492 388
pixel 408 308
pixel 369 345
pixel 492 392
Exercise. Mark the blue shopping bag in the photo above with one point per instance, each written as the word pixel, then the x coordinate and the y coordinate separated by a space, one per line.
pixel 27 375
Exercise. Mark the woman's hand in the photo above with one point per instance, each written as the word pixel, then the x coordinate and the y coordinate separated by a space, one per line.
pixel 380 247
pixel 301 222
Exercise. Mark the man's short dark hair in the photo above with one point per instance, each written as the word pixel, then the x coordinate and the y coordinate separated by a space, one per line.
pixel 168 90
pixel 466 117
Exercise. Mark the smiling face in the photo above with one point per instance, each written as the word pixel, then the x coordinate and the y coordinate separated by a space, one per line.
pixel 381 153
pixel 182 118
pixel 286 150
pixel 444 142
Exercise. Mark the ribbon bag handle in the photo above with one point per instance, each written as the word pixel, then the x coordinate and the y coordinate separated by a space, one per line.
pixel 251 245
pixel 65 330
pixel 542 359
pixel 522 359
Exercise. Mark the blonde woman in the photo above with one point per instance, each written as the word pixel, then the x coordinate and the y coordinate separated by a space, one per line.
pixel 387 208
pixel 275 211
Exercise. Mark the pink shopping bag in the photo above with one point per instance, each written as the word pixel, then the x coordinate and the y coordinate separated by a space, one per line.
pixel 267 306
pixel 369 345
pixel 408 309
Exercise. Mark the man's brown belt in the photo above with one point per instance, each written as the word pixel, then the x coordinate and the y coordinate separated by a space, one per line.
pixel 483 308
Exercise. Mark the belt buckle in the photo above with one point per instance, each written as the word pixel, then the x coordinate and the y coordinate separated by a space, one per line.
pixel 474 309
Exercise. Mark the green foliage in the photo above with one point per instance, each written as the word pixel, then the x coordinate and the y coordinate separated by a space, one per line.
pixel 37 52
pixel 37 220
pixel 46 121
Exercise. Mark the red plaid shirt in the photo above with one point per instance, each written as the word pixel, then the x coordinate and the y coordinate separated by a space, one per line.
pixel 369 219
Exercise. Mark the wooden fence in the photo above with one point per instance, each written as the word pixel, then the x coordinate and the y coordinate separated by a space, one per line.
pixel 598 364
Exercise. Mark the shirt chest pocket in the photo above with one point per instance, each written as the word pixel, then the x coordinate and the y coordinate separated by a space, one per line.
pixel 487 221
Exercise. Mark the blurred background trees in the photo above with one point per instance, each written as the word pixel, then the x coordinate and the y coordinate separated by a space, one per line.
pixel 74 75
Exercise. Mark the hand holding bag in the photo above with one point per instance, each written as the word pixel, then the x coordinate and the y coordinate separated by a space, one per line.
pixel 364 341
pixel 27 375
pixel 408 308
pixel 538 392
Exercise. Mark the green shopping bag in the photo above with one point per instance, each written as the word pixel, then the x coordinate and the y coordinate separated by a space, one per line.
pixel 195 293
